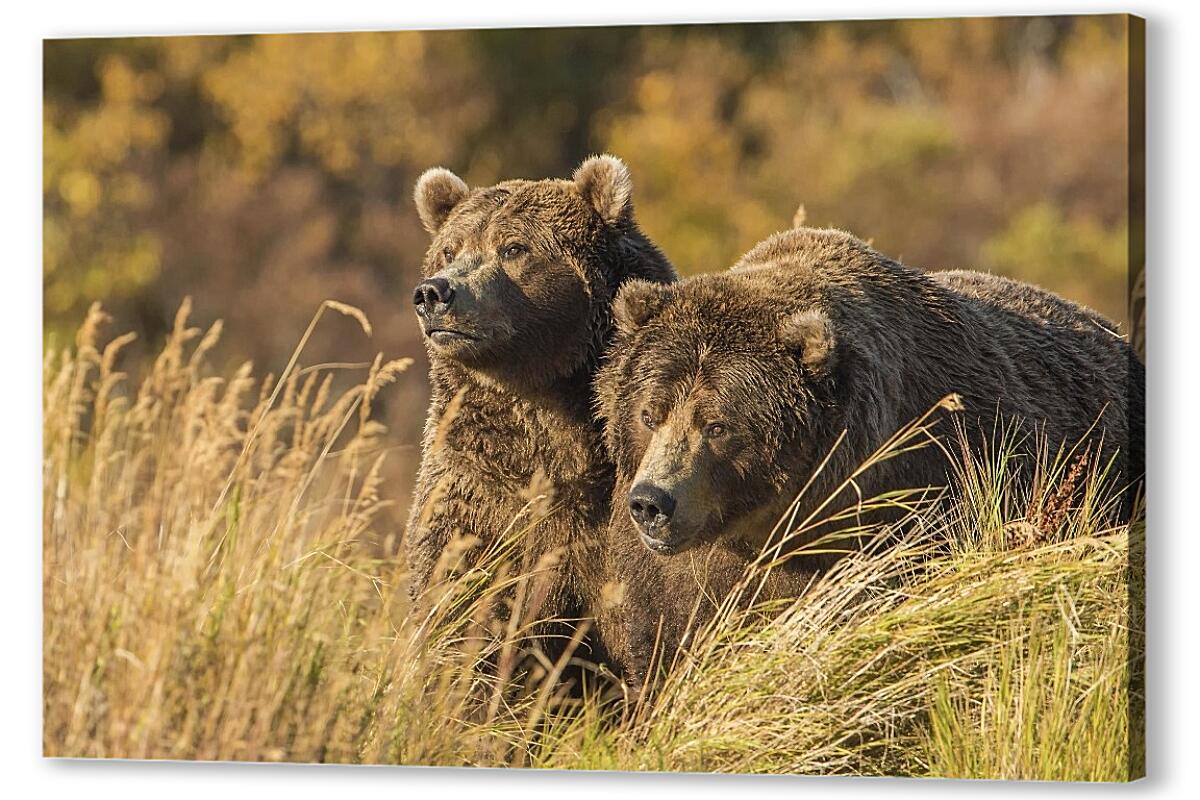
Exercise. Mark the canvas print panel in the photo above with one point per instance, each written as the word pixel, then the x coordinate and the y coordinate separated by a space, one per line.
pixel 736 398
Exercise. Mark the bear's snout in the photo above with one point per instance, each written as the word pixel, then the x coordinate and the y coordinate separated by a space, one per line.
pixel 650 506
pixel 432 293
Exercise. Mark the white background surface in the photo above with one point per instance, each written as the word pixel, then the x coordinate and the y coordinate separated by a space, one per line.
pixel 1173 69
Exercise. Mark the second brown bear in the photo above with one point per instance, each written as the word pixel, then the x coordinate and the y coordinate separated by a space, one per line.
pixel 723 394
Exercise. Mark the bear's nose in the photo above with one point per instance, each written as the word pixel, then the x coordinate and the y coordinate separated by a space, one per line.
pixel 650 506
pixel 429 293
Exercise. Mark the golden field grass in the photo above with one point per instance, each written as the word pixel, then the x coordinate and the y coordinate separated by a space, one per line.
pixel 218 584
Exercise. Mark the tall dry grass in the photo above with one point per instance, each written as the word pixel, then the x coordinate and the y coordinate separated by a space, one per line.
pixel 217 585
pixel 214 585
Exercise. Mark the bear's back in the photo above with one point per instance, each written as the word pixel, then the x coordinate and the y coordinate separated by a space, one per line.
pixel 1024 299
pixel 1070 356
pixel 1009 348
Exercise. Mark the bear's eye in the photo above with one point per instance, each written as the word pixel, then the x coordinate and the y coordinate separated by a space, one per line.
pixel 448 254
pixel 648 419
pixel 714 430
pixel 513 250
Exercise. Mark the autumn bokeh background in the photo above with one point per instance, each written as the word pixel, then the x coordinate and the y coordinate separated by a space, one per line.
pixel 263 174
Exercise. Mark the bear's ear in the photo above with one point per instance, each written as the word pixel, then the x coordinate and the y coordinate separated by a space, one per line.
pixel 809 333
pixel 605 185
pixel 638 302
pixel 438 191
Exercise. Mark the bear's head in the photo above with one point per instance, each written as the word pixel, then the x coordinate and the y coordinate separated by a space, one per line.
pixel 519 277
pixel 712 390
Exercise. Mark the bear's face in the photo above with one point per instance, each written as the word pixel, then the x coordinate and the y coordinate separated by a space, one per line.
pixel 706 398
pixel 517 276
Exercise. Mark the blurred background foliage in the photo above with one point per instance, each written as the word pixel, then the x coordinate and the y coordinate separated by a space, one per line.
pixel 263 174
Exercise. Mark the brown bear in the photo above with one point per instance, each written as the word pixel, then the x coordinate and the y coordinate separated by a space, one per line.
pixel 724 393
pixel 515 307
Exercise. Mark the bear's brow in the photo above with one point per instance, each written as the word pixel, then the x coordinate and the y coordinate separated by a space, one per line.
pixel 495 197
pixel 738 380
pixel 483 207
pixel 680 384
pixel 520 202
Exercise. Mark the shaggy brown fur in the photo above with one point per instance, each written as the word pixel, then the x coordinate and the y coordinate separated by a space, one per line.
pixel 724 393
pixel 528 271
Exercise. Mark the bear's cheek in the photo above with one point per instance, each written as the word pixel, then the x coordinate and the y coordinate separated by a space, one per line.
pixel 733 454
pixel 554 286
pixel 747 466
